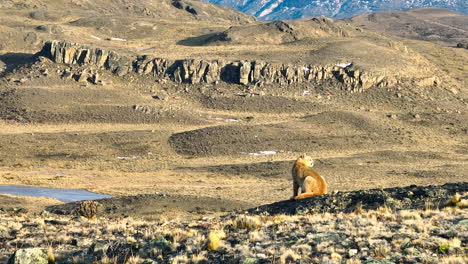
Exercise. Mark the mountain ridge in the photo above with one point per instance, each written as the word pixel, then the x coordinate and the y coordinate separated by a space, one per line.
pixel 268 10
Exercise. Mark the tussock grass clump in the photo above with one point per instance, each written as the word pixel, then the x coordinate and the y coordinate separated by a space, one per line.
pixel 214 239
pixel 246 222
pixel 454 260
pixel 289 256
pixel 456 201
pixel 50 255
pixel 88 209
pixel 380 252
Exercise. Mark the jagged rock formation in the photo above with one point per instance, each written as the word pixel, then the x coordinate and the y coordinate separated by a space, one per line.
pixel 72 53
pixel 202 71
pixel 410 197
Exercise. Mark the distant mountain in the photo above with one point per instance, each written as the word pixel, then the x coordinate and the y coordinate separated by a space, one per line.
pixel 290 9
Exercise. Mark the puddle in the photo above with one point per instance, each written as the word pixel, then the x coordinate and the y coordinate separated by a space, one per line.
pixel 64 195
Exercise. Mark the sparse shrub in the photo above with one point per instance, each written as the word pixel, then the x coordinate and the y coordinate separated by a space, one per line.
pixel 50 255
pixel 199 258
pixel 443 248
pixel 454 260
pixel 247 222
pixel 214 239
pixel 279 218
pixel 392 203
pixel 456 201
pixel 452 202
pixel 134 260
pixel 289 256
pixel 359 210
pixel 409 214
pixel 88 209
pixel 335 256
pixel 353 261
pixel 455 243
pixel 462 45
pixel 380 252
pixel 255 236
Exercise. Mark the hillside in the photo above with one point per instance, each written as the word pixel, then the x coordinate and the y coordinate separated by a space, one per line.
pixel 185 114
pixel 142 24
pixel 429 24
pixel 291 9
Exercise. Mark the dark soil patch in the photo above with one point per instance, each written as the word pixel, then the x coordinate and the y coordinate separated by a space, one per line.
pixel 263 169
pixel 288 137
pixel 411 197
pixel 261 104
pixel 40 148
pixel 155 204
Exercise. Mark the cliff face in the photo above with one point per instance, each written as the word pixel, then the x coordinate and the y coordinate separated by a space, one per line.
pixel 213 71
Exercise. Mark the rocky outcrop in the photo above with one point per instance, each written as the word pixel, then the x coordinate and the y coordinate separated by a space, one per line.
pixel 212 71
pixel 73 53
pixel 411 197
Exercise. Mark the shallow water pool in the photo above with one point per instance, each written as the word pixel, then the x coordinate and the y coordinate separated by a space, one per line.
pixel 64 195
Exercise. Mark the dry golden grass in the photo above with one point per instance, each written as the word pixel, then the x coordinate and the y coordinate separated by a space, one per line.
pixel 271 240
pixel 214 239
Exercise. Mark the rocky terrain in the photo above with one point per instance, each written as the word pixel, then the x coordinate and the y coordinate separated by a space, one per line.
pixel 190 116
pixel 386 234
pixel 192 71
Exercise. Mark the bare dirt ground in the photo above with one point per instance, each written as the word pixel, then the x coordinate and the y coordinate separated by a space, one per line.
pixel 196 151
pixel 204 149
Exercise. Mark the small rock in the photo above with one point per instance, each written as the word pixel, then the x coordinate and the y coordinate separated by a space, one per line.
pixel 45 72
pixel 22 80
pixel 81 242
pixel 105 82
pixel 67 75
pixel 44 28
pixel 417 116
pixel 249 261
pixel 392 116
pixel 352 252
pixel 399 95
pixel 83 77
pixel 29 256
pixel 99 248
pixel 454 91
pixel 95 78
pixel 161 96
pixel 56 222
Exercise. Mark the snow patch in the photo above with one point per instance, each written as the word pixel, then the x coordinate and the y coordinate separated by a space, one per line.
pixel 118 39
pixel 95 37
pixel 270 8
pixel 261 153
pixel 344 65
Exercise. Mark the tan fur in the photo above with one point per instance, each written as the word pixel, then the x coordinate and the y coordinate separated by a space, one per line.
pixel 310 182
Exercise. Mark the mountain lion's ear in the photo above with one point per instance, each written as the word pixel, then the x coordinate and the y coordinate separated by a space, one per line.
pixel 303 155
